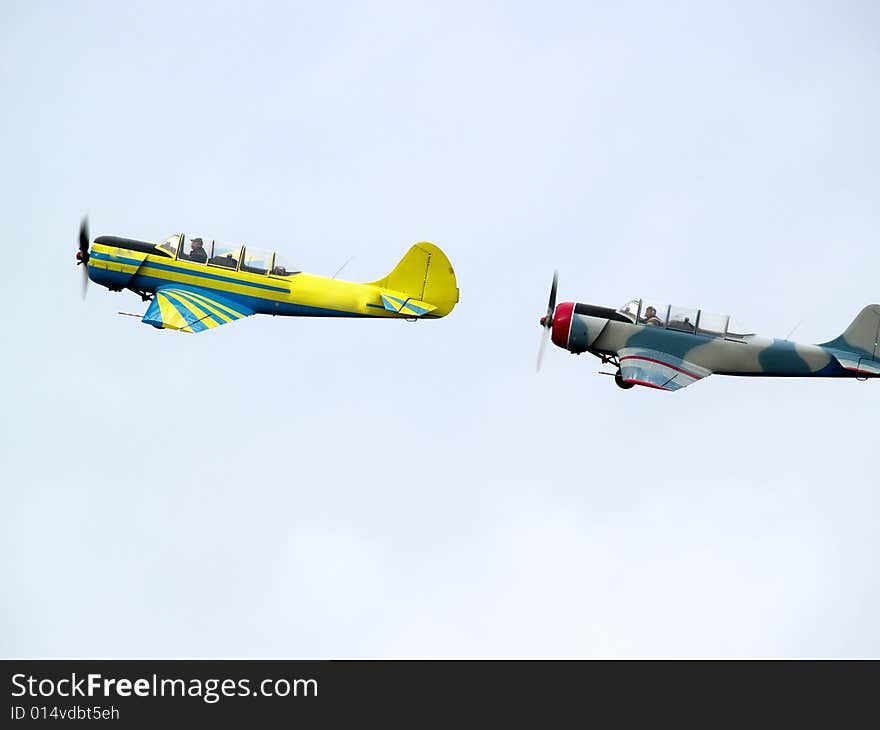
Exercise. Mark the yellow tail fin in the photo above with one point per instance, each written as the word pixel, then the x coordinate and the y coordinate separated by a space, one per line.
pixel 425 275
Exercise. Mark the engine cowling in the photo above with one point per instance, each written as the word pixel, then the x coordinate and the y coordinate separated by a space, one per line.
pixel 574 329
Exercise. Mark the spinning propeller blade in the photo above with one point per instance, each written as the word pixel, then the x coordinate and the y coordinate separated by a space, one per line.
pixel 541 348
pixel 547 320
pixel 82 254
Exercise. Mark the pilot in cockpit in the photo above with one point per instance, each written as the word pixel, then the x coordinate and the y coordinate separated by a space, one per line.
pixel 651 317
pixel 197 252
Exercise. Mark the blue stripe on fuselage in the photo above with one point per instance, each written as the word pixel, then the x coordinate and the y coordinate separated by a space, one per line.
pixel 115 259
pixel 189 272
pixel 215 277
pixel 256 305
pixel 108 278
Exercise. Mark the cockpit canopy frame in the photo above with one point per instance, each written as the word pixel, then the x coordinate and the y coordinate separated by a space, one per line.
pixel 250 260
pixel 682 319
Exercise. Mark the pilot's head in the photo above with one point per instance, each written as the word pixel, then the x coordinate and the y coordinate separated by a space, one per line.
pixel 196 243
pixel 650 312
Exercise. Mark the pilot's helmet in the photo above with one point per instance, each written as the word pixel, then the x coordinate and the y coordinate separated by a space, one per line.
pixel 196 242
pixel 650 311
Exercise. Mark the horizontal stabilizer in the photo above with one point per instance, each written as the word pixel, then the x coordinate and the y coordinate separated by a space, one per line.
pixel 861 365
pixel 407 306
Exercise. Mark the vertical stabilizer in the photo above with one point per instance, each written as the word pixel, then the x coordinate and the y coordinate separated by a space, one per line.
pixel 862 335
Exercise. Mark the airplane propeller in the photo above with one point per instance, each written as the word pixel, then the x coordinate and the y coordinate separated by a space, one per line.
pixel 547 320
pixel 82 254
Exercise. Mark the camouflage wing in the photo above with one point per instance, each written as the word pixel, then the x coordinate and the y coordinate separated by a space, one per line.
pixel 655 369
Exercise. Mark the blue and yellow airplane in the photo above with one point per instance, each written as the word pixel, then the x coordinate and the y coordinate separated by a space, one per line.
pixel 194 284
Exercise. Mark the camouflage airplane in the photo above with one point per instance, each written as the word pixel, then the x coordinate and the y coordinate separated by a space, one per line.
pixel 669 347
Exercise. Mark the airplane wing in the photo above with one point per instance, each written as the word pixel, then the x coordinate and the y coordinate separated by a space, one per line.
pixel 656 369
pixel 191 309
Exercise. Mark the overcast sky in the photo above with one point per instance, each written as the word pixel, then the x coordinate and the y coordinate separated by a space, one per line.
pixel 320 488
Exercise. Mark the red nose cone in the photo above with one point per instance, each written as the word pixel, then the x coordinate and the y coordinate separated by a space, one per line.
pixel 79 255
pixel 562 324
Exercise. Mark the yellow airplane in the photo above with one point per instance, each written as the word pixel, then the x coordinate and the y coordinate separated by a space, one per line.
pixel 194 284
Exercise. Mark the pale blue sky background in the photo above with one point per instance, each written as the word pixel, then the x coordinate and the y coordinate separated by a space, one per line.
pixel 316 488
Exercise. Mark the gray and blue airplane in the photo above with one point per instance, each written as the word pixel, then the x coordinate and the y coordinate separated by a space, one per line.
pixel 669 347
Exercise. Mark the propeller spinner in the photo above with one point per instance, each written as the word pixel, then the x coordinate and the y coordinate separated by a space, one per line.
pixel 547 320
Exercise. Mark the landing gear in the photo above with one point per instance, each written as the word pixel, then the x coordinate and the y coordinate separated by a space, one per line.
pixel 615 361
pixel 145 297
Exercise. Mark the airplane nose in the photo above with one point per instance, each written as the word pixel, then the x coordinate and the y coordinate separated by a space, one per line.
pixel 543 321
pixel 562 324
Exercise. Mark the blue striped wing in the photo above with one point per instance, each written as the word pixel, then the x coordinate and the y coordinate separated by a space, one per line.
pixel 191 309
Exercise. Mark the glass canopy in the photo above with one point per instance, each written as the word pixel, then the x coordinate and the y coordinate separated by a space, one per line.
pixel 196 249
pixel 651 313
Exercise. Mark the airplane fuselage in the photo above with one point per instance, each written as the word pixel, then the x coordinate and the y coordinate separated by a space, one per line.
pixel 195 287
pixel 601 331
pixel 297 295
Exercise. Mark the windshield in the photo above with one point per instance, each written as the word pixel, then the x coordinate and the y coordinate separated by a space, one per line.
pixel 169 245
pixel 630 310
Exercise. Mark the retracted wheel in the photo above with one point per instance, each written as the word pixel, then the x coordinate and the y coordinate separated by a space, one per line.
pixel 618 379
